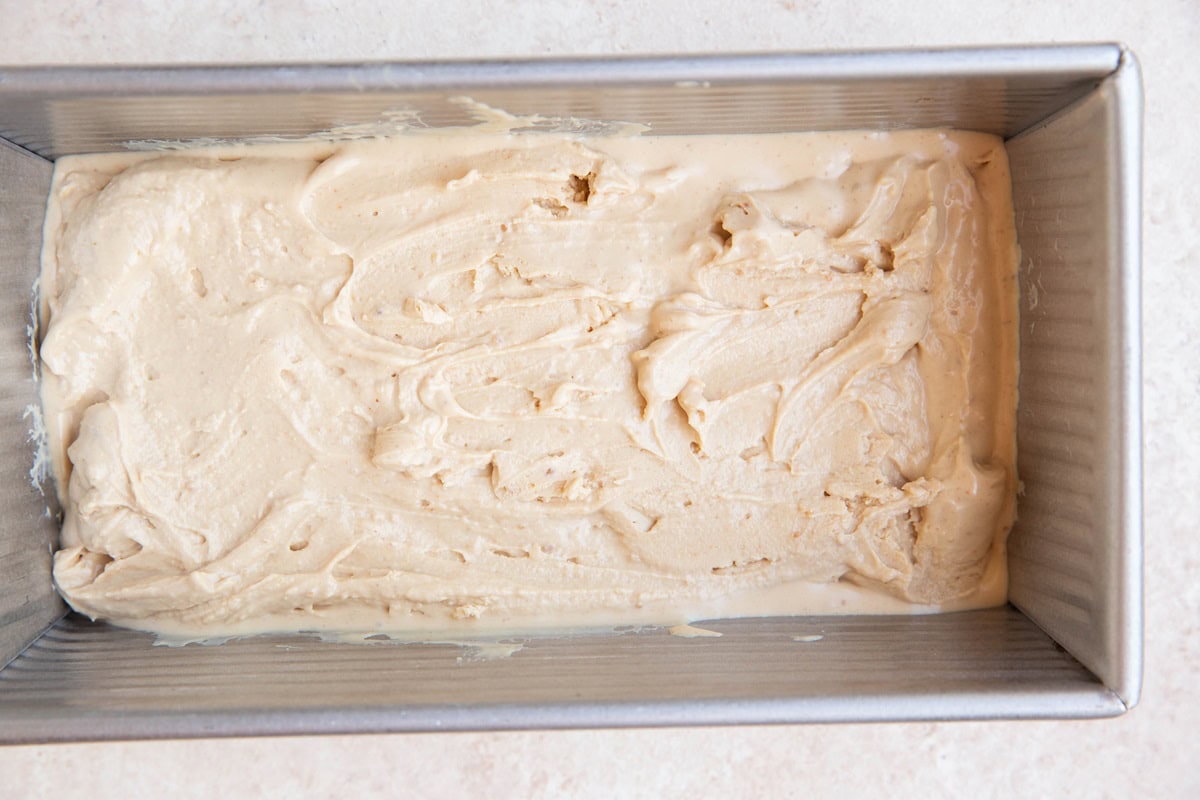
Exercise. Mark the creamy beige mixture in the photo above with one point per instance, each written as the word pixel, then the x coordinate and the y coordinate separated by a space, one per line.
pixel 500 382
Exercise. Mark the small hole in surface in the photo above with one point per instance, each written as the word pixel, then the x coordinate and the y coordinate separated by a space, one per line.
pixel 887 260
pixel 296 547
pixel 580 187
pixel 722 233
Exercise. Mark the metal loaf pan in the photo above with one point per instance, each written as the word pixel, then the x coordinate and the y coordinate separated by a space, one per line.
pixel 1068 645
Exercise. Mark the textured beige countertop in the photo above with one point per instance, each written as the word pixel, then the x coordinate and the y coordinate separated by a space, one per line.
pixel 1154 751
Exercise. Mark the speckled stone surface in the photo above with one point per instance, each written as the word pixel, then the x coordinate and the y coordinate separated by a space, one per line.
pixel 1154 751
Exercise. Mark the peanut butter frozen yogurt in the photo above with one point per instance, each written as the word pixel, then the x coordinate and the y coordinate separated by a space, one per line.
pixel 486 381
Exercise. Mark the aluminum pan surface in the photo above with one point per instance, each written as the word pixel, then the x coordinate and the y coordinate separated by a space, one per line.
pixel 1018 672
pixel 1075 554
pixel 28 602
pixel 54 111
pixel 83 680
